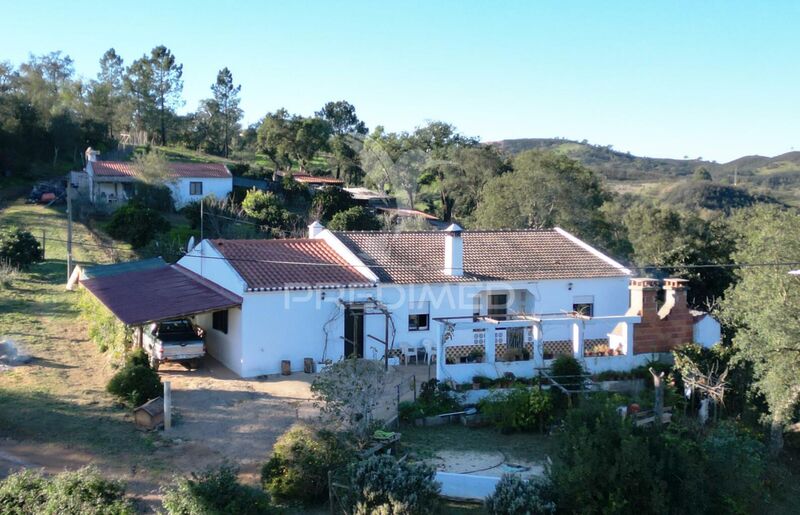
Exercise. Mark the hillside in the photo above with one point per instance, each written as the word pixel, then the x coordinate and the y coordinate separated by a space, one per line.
pixel 777 176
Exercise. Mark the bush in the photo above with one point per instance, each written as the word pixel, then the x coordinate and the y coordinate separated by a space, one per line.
pixel 135 383
pixel 354 219
pixel 605 464
pixel 19 248
pixel 104 329
pixel 434 398
pixel 301 459
pixel 216 491
pixel 383 485
pixel 8 274
pixel 571 368
pixel 516 496
pixel 523 409
pixel 136 224
pixel 329 201
pixel 84 491
pixel 154 196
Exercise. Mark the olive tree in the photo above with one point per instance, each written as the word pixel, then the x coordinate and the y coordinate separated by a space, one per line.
pixel 348 394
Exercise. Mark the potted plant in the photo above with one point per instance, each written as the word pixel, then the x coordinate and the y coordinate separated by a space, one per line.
pixel 475 356
pixel 476 382
pixel 507 380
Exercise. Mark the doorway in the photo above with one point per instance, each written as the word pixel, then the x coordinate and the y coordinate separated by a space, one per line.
pixel 354 330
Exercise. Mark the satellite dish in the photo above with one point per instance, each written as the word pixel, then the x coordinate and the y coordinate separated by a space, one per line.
pixel 190 245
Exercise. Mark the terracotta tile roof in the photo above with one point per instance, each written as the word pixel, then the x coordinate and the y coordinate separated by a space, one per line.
pixel 314 179
pixel 270 265
pixel 140 296
pixel 418 257
pixel 190 170
pixel 401 211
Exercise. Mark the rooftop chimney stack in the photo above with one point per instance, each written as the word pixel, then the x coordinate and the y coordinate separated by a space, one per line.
pixel 453 251
pixel 643 296
pixel 315 229
pixel 674 297
pixel 91 155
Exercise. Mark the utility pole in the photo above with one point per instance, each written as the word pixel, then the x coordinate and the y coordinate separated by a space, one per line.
pixel 69 229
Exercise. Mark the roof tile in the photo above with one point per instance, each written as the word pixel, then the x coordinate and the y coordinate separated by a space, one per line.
pixel 190 170
pixel 418 257
pixel 289 264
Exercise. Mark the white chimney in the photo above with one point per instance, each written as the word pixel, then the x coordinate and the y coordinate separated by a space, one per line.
pixel 453 251
pixel 91 155
pixel 314 229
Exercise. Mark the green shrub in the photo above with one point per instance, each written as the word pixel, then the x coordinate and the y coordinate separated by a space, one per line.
pixel 383 485
pixel 154 196
pixel 136 224
pixel 84 491
pixel 103 328
pixel 137 357
pixel 329 201
pixel 523 409
pixel 605 464
pixel 516 496
pixel 216 491
pixel 301 459
pixel 354 219
pixel 135 384
pixel 19 248
pixel 434 398
pixel 569 368
pixel 737 463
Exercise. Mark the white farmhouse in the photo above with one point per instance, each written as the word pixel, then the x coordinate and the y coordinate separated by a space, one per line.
pixel 474 302
pixel 111 182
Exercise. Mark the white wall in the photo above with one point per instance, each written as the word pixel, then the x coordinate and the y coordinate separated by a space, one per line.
pixel 289 325
pixel 219 187
pixel 456 299
pixel 226 348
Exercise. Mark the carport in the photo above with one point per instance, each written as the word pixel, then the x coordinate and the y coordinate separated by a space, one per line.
pixel 141 296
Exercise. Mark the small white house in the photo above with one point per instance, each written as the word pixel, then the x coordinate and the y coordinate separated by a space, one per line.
pixel 112 182
pixel 475 302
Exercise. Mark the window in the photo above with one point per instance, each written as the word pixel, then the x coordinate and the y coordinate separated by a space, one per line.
pixel 219 321
pixel 584 305
pixel 195 188
pixel 419 316
pixel 498 305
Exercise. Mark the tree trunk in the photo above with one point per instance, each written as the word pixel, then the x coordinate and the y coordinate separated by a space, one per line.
pixel 776 437
pixel 55 156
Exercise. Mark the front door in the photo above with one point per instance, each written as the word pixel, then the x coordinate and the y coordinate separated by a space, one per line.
pixel 354 330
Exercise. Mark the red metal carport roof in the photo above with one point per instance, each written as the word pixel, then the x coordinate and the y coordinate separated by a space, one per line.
pixel 142 296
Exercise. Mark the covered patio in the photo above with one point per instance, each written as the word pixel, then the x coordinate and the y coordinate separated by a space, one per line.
pixel 522 343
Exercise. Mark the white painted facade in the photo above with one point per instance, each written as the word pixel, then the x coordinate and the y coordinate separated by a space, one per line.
pixel 273 326
pixel 112 190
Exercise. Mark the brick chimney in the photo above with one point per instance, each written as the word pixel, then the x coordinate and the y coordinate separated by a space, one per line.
pixel 660 330
pixel 674 298
pixel 643 296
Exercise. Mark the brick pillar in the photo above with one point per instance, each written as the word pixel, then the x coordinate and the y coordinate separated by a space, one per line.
pixel 646 334
pixel 679 323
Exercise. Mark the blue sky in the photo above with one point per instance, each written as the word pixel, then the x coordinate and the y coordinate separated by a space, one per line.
pixel 717 79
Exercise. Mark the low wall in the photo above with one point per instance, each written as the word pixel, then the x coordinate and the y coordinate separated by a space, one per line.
pixel 464 372
pixel 465 486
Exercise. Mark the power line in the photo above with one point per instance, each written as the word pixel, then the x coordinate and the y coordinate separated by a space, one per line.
pixel 504 269
pixel 430 267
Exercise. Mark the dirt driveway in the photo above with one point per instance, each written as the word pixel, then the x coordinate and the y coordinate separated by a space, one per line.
pixel 220 416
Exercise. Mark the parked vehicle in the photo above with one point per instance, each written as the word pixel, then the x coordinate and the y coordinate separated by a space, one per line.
pixel 177 341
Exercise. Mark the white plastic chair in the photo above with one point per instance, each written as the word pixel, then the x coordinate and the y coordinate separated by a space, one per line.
pixel 408 353
pixel 428 344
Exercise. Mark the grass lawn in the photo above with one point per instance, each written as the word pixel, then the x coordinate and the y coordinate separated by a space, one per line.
pixel 60 397
pixel 426 441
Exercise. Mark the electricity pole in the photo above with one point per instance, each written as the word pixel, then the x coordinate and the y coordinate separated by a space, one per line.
pixel 69 229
